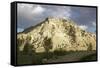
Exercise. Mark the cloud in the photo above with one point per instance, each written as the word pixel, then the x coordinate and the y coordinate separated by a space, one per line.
pixel 29 10
pixel 58 11
pixel 84 27
pixel 19 29
pixel 94 24
pixel 38 9
pixel 32 14
pixel 83 15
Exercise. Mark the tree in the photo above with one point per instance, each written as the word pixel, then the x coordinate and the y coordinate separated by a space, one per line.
pixel 47 44
pixel 72 33
pixel 89 47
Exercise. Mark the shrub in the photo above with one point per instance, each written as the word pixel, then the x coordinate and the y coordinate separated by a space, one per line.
pixel 60 52
pixel 89 47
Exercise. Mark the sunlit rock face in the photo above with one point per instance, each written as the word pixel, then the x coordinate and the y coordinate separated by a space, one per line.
pixel 56 34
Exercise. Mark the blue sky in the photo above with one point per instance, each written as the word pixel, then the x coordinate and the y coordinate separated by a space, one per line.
pixel 32 14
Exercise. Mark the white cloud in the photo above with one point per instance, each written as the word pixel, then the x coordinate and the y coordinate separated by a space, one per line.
pixel 29 10
pixel 61 12
pixel 84 27
pixel 94 23
pixel 38 9
pixel 20 29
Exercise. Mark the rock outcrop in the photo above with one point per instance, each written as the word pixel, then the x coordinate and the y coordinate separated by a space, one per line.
pixel 56 34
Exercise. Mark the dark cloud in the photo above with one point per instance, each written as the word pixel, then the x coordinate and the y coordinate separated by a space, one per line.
pixel 29 14
pixel 83 15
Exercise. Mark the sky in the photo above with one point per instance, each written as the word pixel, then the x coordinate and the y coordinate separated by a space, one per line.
pixel 32 14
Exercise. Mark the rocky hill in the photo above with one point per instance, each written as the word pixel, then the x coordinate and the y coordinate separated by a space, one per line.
pixel 55 34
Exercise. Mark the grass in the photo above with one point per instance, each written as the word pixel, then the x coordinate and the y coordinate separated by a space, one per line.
pixel 56 56
pixel 91 57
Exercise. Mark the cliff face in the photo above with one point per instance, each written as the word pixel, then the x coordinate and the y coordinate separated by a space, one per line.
pixel 56 34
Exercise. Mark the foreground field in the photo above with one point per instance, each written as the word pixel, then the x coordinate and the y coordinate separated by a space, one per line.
pixel 55 57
